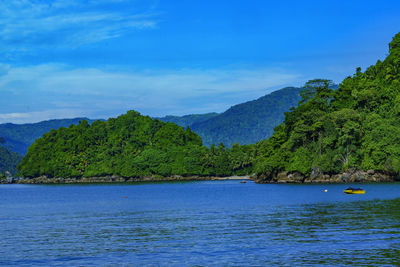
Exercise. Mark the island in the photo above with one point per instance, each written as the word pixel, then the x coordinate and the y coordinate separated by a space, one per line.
pixel 345 134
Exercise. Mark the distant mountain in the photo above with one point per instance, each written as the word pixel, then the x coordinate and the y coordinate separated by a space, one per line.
pixel 249 122
pixel 188 120
pixel 18 137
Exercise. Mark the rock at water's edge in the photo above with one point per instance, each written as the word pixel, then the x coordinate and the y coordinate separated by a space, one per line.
pixel 317 176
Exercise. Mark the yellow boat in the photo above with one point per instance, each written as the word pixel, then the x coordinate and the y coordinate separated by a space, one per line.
pixel 354 191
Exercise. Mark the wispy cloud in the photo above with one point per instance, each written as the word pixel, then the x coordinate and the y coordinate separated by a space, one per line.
pixel 49 91
pixel 27 24
pixel 37 116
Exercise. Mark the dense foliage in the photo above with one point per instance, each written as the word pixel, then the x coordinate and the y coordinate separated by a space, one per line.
pixel 129 146
pixel 249 122
pixel 8 161
pixel 355 127
pixel 19 137
pixel 188 120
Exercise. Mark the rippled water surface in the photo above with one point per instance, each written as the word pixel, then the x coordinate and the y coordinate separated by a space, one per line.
pixel 198 224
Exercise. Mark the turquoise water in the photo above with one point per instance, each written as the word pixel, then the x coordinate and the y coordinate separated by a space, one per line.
pixel 207 223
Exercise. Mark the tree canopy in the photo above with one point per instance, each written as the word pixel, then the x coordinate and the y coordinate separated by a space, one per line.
pixel 18 137
pixel 8 161
pixel 129 146
pixel 354 127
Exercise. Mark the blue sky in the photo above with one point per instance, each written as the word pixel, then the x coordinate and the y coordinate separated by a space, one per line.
pixel 98 58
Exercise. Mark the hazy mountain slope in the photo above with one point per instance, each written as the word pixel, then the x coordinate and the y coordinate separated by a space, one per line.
pixel 19 137
pixel 248 122
pixel 188 120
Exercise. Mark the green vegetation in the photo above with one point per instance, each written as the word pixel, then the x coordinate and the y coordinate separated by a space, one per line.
pixel 245 123
pixel 355 127
pixel 8 161
pixel 18 137
pixel 330 131
pixel 129 146
pixel 249 122
pixel 188 120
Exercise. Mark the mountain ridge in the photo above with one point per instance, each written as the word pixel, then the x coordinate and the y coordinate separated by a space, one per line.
pixel 187 120
pixel 18 137
pixel 248 122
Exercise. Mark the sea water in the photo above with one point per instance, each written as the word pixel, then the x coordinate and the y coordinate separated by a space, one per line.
pixel 203 223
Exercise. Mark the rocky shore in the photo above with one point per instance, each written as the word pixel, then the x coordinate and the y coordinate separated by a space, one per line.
pixel 316 176
pixel 118 179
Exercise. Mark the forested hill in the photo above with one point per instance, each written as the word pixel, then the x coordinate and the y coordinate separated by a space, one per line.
pixel 128 146
pixel 248 122
pixel 19 137
pixel 8 161
pixel 188 120
pixel 356 127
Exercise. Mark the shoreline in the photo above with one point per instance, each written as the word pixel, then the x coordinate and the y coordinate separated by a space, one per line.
pixel 316 177
pixel 353 176
pixel 117 179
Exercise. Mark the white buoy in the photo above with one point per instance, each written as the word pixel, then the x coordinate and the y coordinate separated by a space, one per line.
pixel 326 190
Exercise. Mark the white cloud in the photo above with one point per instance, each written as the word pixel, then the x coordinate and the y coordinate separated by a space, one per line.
pixel 61 23
pixel 48 91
